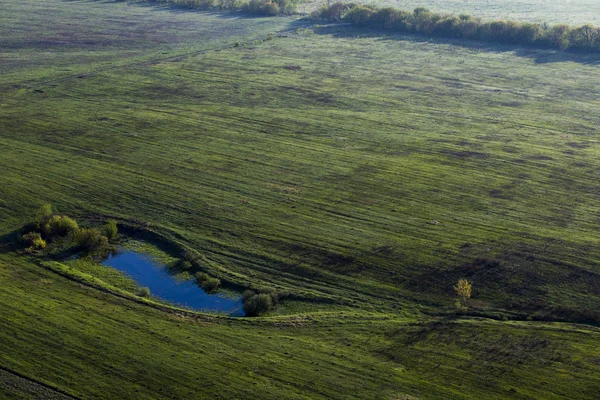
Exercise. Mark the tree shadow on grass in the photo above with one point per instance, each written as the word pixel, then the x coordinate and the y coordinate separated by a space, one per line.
pixel 9 242
pixel 539 56
pixel 221 14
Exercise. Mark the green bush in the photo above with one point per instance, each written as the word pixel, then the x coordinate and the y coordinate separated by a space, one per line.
pixel 257 305
pixel 110 229
pixel 286 6
pixel 42 214
pixel 211 284
pixel 259 301
pixel 60 225
pixel 34 241
pixel 247 294
pixel 261 7
pixel 90 239
pixel 207 282
pixel 189 256
pixel 334 11
pixel 201 277
pixel 206 3
pixel 359 15
pixel 143 292
pixel 270 8
pixel 64 233
pixel 252 7
pixel 271 292
pixel 185 265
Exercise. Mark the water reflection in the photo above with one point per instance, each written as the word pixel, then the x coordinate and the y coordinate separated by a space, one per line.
pixel 162 285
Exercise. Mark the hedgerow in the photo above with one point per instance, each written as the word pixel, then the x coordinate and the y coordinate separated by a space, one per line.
pixel 257 7
pixel 422 21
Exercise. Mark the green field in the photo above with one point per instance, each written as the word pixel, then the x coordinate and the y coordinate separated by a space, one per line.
pixel 362 173
pixel 573 12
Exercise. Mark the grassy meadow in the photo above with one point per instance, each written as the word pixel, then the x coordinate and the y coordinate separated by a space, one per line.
pixel 364 173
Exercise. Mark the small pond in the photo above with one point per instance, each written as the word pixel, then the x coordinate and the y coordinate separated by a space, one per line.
pixel 166 287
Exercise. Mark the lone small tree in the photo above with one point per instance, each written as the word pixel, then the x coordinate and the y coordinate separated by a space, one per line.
pixel 463 292
pixel 143 292
pixel 110 229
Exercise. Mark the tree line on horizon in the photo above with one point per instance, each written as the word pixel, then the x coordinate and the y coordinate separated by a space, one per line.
pixel 255 7
pixel 584 38
pixel 422 21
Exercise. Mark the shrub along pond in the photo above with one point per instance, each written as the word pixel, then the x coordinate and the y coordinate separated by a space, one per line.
pixel 165 286
pixel 57 236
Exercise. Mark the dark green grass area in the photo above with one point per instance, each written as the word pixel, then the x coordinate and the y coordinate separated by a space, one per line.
pixel 363 174
pixel 377 170
pixel 95 345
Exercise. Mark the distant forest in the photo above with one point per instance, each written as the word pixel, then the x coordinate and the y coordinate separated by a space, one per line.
pixel 257 7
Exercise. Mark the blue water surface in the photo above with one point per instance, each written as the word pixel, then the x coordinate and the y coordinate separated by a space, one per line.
pixel 164 286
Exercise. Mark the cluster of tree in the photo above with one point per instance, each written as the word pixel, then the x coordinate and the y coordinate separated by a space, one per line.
pixel 260 301
pixel 422 21
pixel 257 7
pixel 64 232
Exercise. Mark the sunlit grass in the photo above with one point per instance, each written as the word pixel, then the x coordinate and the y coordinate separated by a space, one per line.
pixel 364 174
